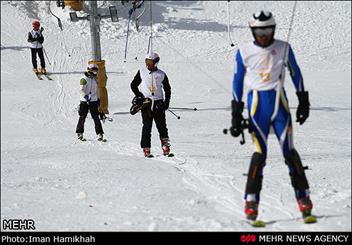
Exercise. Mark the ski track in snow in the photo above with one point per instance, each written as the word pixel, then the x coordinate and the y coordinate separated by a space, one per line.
pixel 64 184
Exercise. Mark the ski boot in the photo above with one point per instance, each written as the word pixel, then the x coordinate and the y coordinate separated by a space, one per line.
pixel 165 145
pixel 35 70
pixel 80 137
pixel 101 138
pixel 43 71
pixel 147 153
pixel 251 210
pixel 305 206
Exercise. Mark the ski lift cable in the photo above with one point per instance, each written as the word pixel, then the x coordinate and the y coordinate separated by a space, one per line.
pixel 280 82
pixel 131 15
pixel 228 23
pixel 197 67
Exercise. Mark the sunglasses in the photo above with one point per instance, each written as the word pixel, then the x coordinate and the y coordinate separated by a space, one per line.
pixel 268 31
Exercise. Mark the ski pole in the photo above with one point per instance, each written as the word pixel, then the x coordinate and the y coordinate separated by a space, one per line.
pixel 242 141
pixel 184 108
pixel 245 124
pixel 173 113
pixel 46 56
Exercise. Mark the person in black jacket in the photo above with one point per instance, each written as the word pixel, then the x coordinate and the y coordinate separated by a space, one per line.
pixel 36 39
pixel 148 84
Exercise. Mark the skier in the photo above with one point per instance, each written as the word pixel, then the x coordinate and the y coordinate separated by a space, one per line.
pixel 36 39
pixel 89 101
pixel 151 81
pixel 261 63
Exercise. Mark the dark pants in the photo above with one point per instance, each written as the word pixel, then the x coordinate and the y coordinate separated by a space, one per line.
pixel 158 114
pixel 83 112
pixel 34 52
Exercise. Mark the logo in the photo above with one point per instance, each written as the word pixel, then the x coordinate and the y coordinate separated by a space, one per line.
pixel 248 238
pixel 18 224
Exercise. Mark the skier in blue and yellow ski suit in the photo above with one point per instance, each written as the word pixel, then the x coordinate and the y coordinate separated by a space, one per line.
pixel 262 65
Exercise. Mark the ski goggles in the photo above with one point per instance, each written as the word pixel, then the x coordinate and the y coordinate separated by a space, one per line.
pixel 267 31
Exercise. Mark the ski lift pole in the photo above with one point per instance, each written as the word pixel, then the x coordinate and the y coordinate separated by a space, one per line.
pixel 150 44
pixel 58 19
pixel 94 26
pixel 128 28
pixel 228 23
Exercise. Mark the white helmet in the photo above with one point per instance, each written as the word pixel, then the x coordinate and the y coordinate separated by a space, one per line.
pixel 153 56
pixel 92 66
pixel 262 19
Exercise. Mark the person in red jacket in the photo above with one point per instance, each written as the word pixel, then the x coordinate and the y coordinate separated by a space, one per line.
pixel 36 39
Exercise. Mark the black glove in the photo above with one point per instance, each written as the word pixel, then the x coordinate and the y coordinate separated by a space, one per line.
pixel 166 104
pixel 302 112
pixel 87 98
pixel 41 29
pixel 139 97
pixel 139 100
pixel 237 118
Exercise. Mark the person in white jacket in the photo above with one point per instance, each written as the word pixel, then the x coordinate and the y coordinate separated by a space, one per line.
pixel 149 83
pixel 89 100
pixel 36 39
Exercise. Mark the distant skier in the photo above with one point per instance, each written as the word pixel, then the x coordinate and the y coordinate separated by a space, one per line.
pixel 89 101
pixel 152 81
pixel 261 63
pixel 36 39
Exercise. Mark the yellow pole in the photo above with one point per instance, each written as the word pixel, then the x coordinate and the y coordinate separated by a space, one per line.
pixel 76 5
pixel 102 79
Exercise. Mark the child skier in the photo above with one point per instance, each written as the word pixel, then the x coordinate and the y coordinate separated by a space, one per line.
pixel 151 81
pixel 36 39
pixel 261 62
pixel 89 101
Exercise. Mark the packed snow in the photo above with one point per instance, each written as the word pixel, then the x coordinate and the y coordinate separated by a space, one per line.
pixel 63 184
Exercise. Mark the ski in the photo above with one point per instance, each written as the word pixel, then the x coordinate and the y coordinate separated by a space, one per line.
pixel 170 155
pixel 47 76
pixel 83 139
pixel 102 140
pixel 257 223
pixel 39 76
pixel 109 119
pixel 310 219
pixel 150 156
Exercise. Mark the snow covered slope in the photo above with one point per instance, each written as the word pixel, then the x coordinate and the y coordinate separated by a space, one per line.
pixel 63 184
